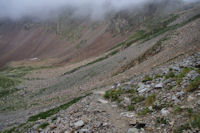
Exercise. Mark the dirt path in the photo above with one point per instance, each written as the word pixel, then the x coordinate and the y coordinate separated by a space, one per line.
pixel 115 114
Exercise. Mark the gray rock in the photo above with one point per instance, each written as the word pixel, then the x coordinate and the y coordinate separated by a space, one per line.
pixel 84 131
pixel 102 101
pixel 143 88
pixel 190 98
pixel 159 86
pixel 127 101
pixel 128 114
pixel 198 102
pixel 175 99
pixel 164 112
pixel 133 130
pixel 79 124
pixel 176 68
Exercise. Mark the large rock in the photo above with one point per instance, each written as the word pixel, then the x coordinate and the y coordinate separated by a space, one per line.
pixel 159 86
pixel 143 88
pixel 79 124
pixel 102 101
pixel 164 112
pixel 133 130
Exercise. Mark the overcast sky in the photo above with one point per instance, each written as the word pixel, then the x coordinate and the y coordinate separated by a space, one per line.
pixel 17 9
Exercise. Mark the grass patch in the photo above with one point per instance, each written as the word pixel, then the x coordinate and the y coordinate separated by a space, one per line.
pixel 193 85
pixel 161 120
pixel 147 78
pixel 6 92
pixel 194 122
pixel 150 100
pixel 198 70
pixel 182 74
pixel 44 115
pixel 170 74
pixel 178 110
pixel 19 72
pixel 158 76
pixel 131 107
pixel 113 94
pixel 43 125
pixel 182 128
pixel 137 99
pixel 6 82
pixel 144 112
pixel 170 87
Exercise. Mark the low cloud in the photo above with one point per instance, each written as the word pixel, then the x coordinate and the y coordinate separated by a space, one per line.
pixel 43 9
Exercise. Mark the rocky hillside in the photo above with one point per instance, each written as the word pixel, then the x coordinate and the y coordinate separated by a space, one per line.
pixel 128 73
pixel 166 99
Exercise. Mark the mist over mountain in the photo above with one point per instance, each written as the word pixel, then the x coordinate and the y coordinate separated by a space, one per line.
pixel 45 9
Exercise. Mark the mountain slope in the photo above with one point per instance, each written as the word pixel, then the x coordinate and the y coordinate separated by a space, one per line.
pixel 34 90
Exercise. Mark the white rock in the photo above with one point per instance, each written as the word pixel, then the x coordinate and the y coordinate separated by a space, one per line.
pixel 190 98
pixel 102 101
pixel 133 130
pixel 128 114
pixel 159 86
pixel 143 88
pixel 175 99
pixel 118 85
pixel 127 100
pixel 79 124
pixel 164 112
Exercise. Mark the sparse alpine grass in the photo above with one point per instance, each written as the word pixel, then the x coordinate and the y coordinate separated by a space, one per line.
pixel 43 125
pixel 144 112
pixel 150 100
pixel 113 94
pixel 44 115
pixel 193 85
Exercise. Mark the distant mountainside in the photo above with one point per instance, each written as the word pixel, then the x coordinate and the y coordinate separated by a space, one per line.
pixel 67 39
pixel 143 61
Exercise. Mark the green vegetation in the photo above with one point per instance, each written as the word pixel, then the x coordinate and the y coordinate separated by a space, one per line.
pixel 10 77
pixel 161 120
pixel 182 127
pixel 6 92
pixel 44 115
pixel 19 72
pixel 198 70
pixel 170 74
pixel 113 94
pixel 43 125
pixel 6 82
pixel 147 78
pixel 158 76
pixel 182 74
pixel 170 87
pixel 194 122
pixel 178 110
pixel 193 85
pixel 137 99
pixel 150 100
pixel 144 112
pixel 131 107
